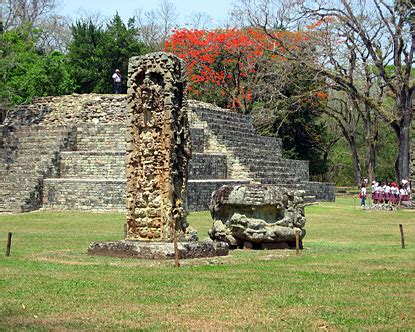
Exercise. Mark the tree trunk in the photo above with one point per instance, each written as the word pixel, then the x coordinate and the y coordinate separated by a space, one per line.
pixel 356 160
pixel 402 161
pixel 371 138
pixel 371 164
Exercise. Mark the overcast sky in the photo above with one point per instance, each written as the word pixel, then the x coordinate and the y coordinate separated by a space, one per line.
pixel 216 9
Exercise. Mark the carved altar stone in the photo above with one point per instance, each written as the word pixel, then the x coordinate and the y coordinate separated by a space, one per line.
pixel 257 216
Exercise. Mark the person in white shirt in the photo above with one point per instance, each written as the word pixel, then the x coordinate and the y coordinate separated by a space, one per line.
pixel 403 195
pixel 387 191
pixel 373 187
pixel 117 77
pixel 362 195
pixel 405 185
pixel 394 195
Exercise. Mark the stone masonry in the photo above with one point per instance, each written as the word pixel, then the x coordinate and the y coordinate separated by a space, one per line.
pixel 68 153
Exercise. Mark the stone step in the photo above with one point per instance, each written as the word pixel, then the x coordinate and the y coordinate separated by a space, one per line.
pixel 263 162
pixel 35 151
pixel 248 140
pixel 273 160
pixel 254 153
pixel 269 173
pixel 288 184
pixel 220 114
pixel 288 177
pixel 113 140
pixel 208 166
pixel 230 124
pixel 110 164
pixel 33 159
pixel 43 140
pixel 235 129
pixel 109 194
pixel 39 131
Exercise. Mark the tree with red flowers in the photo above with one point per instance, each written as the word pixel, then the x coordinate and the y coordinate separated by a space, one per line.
pixel 237 69
pixel 225 65
pixel 223 62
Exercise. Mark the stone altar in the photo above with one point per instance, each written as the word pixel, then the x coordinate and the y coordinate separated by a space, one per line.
pixel 257 216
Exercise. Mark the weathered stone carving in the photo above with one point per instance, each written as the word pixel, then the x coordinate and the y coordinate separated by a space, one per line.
pixel 158 153
pixel 257 216
pixel 158 147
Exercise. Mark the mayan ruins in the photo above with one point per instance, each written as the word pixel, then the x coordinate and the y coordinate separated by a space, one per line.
pixel 71 151
pixel 158 154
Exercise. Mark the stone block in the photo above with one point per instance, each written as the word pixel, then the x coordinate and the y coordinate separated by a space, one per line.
pixel 158 250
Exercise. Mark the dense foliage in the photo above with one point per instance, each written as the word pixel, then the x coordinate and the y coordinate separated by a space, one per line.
pixel 220 64
pixel 26 72
pixel 95 52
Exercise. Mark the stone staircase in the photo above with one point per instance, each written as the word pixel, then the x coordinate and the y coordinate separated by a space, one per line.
pixel 74 157
pixel 29 155
pixel 260 157
pixel 91 175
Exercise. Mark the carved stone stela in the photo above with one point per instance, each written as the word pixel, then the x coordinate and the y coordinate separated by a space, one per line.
pixel 158 147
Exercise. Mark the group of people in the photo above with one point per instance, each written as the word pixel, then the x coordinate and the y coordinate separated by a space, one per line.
pixel 386 192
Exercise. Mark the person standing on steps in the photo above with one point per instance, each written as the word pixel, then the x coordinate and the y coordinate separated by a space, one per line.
pixel 117 81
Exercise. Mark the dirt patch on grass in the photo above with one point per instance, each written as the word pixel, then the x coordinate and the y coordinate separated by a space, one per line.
pixel 69 257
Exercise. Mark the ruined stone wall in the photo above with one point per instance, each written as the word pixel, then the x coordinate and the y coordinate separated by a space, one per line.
pixel 109 195
pixel 321 191
pixel 92 164
pixel 70 109
pixel 8 146
pixel 97 195
pixel 111 165
pixel 29 154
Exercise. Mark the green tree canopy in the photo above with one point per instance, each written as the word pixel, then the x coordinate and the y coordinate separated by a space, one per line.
pixel 26 72
pixel 95 52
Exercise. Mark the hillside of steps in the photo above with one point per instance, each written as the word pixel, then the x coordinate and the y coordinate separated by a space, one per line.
pixel 111 137
pixel 235 135
pixel 29 154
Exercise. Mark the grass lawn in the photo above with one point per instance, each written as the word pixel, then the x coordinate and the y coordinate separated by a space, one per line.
pixel 352 274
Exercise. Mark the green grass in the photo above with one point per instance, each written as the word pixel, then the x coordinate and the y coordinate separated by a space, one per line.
pixel 352 274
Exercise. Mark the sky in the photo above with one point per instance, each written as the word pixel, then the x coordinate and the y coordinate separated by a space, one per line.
pixel 216 9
